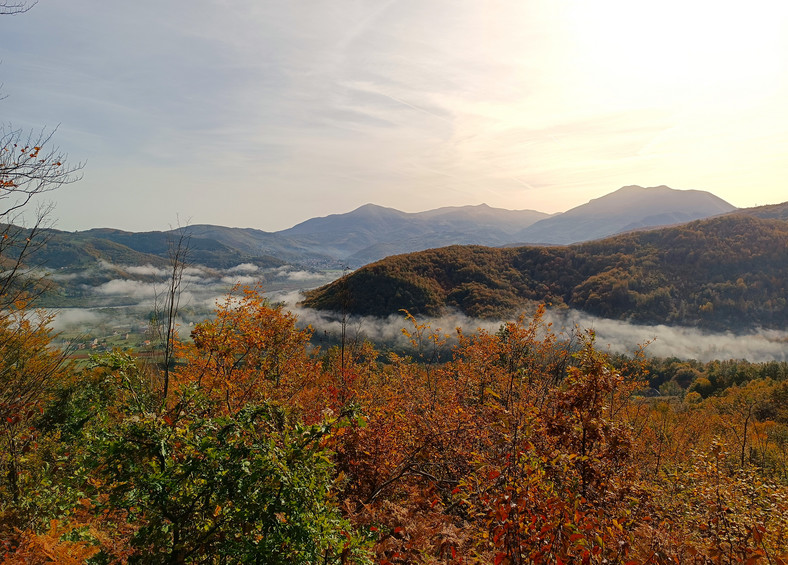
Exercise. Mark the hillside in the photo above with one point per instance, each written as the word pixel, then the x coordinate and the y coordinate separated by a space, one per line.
pixel 772 211
pixel 85 268
pixel 81 250
pixel 728 272
pixel 356 238
pixel 209 250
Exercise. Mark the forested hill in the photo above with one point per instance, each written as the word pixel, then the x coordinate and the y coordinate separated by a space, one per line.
pixel 771 211
pixel 728 272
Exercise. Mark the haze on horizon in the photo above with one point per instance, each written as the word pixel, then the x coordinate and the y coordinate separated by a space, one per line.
pixel 264 114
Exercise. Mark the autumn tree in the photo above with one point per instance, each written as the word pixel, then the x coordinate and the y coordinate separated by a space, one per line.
pixel 251 486
pixel 29 372
pixel 227 470
pixel 739 406
pixel 251 351
pixel 167 304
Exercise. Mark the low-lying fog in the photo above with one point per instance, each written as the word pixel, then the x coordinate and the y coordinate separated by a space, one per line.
pixel 203 287
pixel 612 335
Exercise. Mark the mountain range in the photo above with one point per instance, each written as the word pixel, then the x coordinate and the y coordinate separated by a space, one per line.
pixel 372 232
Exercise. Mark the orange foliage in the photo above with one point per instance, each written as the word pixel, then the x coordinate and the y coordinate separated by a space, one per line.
pixel 49 547
pixel 251 351
pixel 523 447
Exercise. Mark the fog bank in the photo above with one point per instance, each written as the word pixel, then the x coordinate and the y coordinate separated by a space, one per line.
pixel 611 335
pixel 203 287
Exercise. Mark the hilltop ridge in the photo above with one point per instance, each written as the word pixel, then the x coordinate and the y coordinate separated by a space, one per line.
pixel 722 273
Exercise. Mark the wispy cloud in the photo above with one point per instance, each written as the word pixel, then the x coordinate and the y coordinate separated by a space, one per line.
pixel 301 110
pixel 240 279
pixel 686 343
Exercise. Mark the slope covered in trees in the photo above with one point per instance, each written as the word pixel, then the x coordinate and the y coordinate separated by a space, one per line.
pixel 770 211
pixel 727 272
pixel 83 249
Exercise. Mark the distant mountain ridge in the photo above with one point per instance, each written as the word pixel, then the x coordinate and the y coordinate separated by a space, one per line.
pixel 628 208
pixel 81 249
pixel 373 232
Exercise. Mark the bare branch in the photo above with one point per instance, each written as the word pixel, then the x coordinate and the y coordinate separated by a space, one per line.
pixel 12 8
pixel 167 303
pixel 28 168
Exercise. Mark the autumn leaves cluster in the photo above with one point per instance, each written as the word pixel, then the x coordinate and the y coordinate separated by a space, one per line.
pixel 520 446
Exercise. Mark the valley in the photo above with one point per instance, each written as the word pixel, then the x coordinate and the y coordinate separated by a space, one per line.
pixel 712 277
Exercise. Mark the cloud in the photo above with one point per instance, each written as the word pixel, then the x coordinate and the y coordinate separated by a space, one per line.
pixel 686 343
pixel 126 288
pixel 303 276
pixel 138 270
pixel 244 280
pixel 148 270
pixel 197 271
pixel 244 268
pixel 384 330
pixel 65 277
pixel 612 335
pixel 200 279
pixel 66 318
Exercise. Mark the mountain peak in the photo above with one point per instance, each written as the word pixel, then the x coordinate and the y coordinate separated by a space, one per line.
pixel 369 207
pixel 637 189
pixel 629 207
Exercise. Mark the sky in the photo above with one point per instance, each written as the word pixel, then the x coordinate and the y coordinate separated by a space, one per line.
pixel 264 113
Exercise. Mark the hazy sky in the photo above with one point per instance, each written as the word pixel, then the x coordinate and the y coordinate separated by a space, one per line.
pixel 263 113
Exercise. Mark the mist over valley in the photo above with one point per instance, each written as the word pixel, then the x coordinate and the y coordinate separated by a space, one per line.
pixel 106 281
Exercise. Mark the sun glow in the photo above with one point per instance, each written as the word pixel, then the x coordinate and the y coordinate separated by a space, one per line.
pixel 682 51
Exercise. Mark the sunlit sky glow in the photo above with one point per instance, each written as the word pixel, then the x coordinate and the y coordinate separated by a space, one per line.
pixel 261 113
